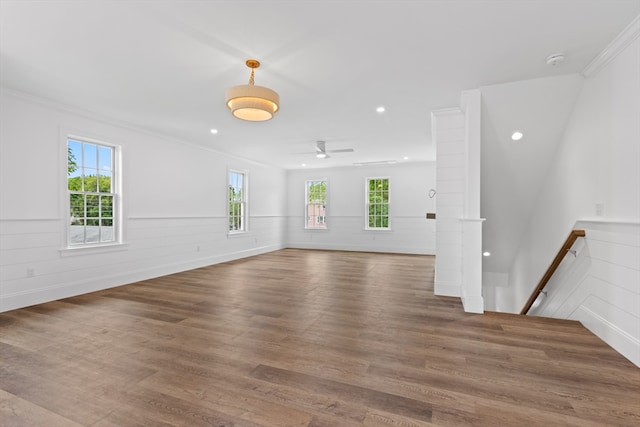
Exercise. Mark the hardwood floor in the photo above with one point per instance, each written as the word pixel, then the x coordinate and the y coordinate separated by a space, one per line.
pixel 303 338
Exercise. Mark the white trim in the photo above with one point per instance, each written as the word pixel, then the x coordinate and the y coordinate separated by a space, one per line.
pixel 92 115
pixel 237 233
pixel 152 218
pixel 92 250
pixel 620 43
pixel 68 289
pixel 366 204
pixel 447 111
pixel 360 247
pixel 608 221
pixel 244 202
pixel 29 219
pixel 306 204
pixel 119 219
pixel 621 341
pixel 473 304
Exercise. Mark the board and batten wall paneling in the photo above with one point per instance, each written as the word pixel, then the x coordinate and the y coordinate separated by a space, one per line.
pixel 174 197
pixel 409 186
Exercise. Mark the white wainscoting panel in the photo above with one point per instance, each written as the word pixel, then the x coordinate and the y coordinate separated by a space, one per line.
pixel 600 285
pixel 33 269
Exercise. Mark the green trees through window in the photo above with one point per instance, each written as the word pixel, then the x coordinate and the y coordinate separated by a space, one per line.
pixel 90 169
pixel 377 203
pixel 237 202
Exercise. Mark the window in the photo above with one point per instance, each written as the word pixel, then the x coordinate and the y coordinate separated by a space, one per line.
pixel 316 204
pixel 377 203
pixel 91 175
pixel 237 202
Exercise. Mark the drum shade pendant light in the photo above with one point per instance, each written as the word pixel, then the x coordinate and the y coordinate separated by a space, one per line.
pixel 251 102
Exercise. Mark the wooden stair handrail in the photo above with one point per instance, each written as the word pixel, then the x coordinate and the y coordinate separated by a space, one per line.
pixel 573 236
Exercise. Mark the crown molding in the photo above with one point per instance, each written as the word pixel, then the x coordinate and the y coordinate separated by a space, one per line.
pixel 620 43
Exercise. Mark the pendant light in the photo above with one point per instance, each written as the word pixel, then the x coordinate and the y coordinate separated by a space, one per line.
pixel 250 102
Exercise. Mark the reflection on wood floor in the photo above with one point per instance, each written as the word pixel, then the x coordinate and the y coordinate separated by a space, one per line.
pixel 303 338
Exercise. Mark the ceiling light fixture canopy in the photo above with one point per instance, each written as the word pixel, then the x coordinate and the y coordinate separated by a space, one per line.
pixel 321 150
pixel 251 102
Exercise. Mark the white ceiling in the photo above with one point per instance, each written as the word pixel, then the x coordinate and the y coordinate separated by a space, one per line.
pixel 165 65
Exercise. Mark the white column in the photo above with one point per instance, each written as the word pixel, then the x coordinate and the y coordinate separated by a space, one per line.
pixel 448 132
pixel 458 269
pixel 471 290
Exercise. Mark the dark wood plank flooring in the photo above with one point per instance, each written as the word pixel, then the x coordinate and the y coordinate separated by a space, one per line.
pixel 303 338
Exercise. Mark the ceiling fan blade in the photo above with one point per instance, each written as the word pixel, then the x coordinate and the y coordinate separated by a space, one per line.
pixel 303 152
pixel 341 150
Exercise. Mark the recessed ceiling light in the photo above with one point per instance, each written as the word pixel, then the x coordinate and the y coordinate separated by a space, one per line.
pixel 380 109
pixel 486 253
pixel 406 158
pixel 517 135
pixel 214 131
pixel 304 164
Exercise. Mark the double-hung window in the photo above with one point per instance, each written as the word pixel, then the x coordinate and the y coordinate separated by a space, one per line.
pixel 92 193
pixel 377 204
pixel 237 201
pixel 316 204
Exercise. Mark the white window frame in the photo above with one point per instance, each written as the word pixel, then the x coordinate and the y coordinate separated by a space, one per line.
pixel 307 216
pixel 117 242
pixel 244 203
pixel 367 226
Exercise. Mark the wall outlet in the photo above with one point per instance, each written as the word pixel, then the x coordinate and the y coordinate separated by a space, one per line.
pixel 31 271
pixel 198 248
pixel 599 209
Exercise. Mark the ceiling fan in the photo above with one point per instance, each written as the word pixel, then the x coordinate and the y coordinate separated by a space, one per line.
pixel 322 152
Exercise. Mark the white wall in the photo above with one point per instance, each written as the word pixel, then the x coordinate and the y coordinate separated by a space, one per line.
pixel 174 200
pixel 596 173
pixel 410 231
pixel 599 285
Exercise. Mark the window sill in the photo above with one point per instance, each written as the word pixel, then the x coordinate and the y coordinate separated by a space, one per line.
pixel 378 229
pixel 94 249
pixel 236 234
pixel 316 229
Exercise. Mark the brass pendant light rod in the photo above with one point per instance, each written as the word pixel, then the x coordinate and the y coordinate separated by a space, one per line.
pixel 253 64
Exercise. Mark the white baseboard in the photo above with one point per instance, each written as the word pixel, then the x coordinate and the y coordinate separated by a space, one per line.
pixel 473 304
pixel 360 248
pixel 621 341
